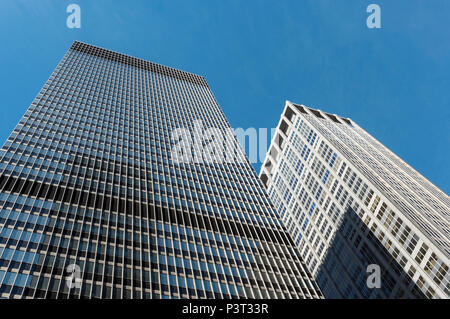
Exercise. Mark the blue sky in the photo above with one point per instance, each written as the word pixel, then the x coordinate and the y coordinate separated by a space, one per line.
pixel 393 81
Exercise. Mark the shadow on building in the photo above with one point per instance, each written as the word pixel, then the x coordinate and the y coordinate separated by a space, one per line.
pixel 343 271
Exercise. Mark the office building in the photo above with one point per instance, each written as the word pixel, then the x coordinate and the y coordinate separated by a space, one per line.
pixel 95 205
pixel 366 223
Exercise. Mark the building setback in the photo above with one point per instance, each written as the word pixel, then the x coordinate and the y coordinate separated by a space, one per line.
pixel 350 205
pixel 93 205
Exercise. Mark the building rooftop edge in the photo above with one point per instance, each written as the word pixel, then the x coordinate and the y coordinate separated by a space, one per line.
pixel 345 119
pixel 132 60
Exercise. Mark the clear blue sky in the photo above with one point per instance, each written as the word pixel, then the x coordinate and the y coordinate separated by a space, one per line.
pixel 394 81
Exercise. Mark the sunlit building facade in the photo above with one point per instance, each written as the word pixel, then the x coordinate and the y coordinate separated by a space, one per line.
pixel 350 204
pixel 92 204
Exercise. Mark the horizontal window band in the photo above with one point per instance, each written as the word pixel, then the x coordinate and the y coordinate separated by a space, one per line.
pixel 148 209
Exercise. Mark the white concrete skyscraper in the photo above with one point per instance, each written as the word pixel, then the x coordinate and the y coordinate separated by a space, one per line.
pixel 351 205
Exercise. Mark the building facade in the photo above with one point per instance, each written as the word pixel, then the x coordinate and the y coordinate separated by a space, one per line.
pixel 356 210
pixel 93 204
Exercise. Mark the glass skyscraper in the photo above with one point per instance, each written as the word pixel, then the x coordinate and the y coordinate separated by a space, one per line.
pixel 352 205
pixel 93 204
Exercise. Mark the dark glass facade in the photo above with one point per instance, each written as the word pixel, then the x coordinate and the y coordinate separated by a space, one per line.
pixel 86 179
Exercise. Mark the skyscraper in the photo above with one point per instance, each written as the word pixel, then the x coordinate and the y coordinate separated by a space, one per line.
pixel 366 223
pixel 93 203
